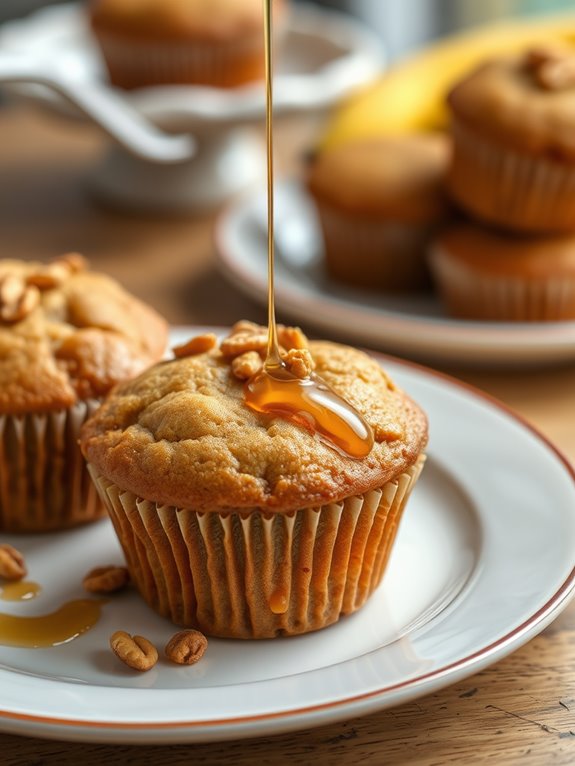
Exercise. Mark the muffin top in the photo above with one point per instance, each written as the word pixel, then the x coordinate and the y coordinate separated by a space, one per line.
pixel 490 251
pixel 181 434
pixel 67 334
pixel 400 177
pixel 215 20
pixel 525 102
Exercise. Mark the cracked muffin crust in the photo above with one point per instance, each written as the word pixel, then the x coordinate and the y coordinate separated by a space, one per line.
pixel 181 435
pixel 82 334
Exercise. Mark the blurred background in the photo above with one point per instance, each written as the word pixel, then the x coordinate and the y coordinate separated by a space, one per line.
pixel 402 24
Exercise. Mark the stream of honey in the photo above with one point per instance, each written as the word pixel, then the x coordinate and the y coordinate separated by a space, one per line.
pixel 275 390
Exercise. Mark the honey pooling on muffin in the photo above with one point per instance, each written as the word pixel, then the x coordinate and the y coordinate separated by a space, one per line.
pixel 275 389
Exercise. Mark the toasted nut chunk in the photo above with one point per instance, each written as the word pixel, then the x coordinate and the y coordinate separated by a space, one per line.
pixel 235 345
pixel 299 362
pixel 291 337
pixel 186 647
pixel 49 277
pixel 17 299
pixel 135 651
pixel 108 579
pixel 244 325
pixel 198 345
pixel 557 75
pixel 73 261
pixel 246 365
pixel 12 564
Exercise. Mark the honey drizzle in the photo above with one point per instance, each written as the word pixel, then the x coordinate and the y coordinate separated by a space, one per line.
pixel 65 624
pixel 275 390
pixel 22 590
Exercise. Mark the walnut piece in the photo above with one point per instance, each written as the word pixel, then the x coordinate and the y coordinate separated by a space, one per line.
pixel 135 651
pixel 12 563
pixel 198 345
pixel 242 342
pixel 17 299
pixel 54 274
pixel 299 362
pixel 107 579
pixel 291 337
pixel 187 647
pixel 246 365
pixel 553 68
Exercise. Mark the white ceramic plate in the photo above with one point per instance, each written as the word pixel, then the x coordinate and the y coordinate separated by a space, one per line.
pixel 484 561
pixel 409 326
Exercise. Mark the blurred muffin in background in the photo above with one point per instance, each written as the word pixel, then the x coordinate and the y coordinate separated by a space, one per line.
pixel 203 42
pixel 67 336
pixel 513 126
pixel 486 274
pixel 379 201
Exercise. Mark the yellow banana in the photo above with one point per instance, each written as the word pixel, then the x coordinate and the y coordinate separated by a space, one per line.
pixel 410 97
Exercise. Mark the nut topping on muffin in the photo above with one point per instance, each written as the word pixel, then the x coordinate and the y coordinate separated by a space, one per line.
pixel 552 68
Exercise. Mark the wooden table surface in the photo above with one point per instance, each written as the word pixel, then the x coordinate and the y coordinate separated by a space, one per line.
pixel 522 710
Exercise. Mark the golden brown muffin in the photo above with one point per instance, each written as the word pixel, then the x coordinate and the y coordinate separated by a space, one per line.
pixel 378 202
pixel 67 335
pixel 243 524
pixel 513 125
pixel 487 274
pixel 203 42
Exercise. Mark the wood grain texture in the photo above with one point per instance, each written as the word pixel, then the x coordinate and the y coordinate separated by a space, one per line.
pixel 521 710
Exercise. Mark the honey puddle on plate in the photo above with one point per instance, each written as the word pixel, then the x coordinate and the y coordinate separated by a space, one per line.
pixel 309 402
pixel 23 590
pixel 65 624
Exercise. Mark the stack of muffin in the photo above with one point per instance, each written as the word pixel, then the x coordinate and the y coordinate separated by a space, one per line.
pixel 385 207
pixel 513 172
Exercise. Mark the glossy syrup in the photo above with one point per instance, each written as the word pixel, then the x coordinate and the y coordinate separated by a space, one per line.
pixel 65 624
pixel 275 390
pixel 22 590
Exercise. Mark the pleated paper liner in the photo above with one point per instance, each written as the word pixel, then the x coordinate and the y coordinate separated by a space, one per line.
pixel 517 191
pixel 470 295
pixel 44 483
pixel 252 575
pixel 374 253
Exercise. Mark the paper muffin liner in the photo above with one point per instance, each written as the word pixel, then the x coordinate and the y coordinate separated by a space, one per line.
pixel 374 253
pixel 140 63
pixel 517 191
pixel 257 575
pixel 472 295
pixel 44 483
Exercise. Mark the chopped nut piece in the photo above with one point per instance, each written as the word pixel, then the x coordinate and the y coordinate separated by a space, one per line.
pixel 244 325
pixel 108 579
pixel 299 362
pixel 552 67
pixel 246 365
pixel 74 261
pixel 186 647
pixel 291 337
pixel 17 299
pixel 235 345
pixel 49 277
pixel 135 651
pixel 198 345
pixel 12 564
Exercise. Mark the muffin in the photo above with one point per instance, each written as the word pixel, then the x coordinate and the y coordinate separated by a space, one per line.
pixel 379 201
pixel 242 524
pixel 489 274
pixel 192 42
pixel 513 126
pixel 67 335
